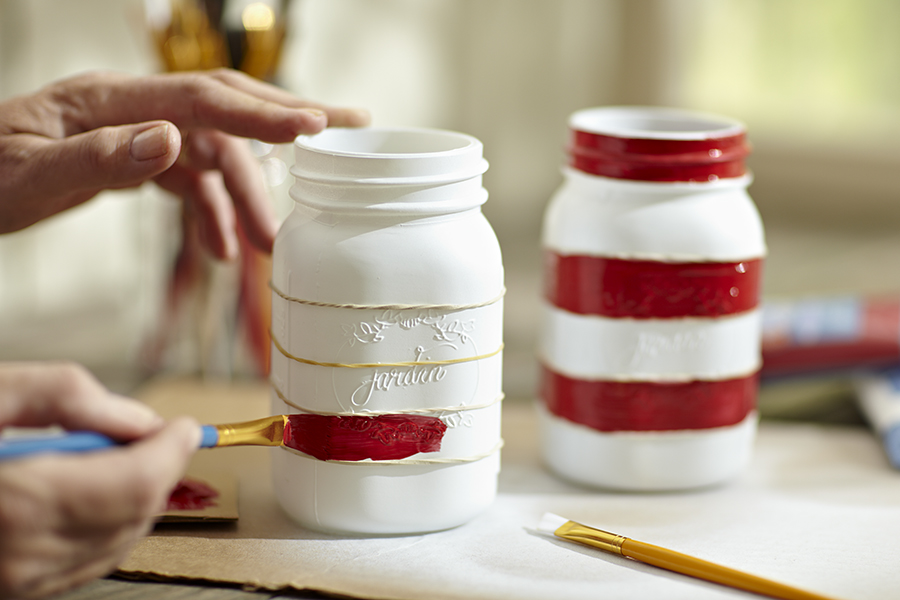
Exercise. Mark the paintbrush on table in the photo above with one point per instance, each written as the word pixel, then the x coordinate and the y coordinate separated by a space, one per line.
pixel 326 437
pixel 669 559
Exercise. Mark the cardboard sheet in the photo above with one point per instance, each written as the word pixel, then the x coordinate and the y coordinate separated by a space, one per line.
pixel 819 509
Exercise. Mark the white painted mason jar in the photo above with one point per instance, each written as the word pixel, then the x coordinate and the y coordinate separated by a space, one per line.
pixel 650 340
pixel 388 300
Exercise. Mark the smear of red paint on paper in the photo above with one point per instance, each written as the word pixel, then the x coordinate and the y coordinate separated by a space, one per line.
pixel 384 437
pixel 191 494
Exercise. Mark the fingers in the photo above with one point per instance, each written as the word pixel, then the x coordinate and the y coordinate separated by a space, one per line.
pixel 228 101
pixel 38 395
pixel 67 519
pixel 104 130
pixel 128 484
pixel 344 117
pixel 232 182
pixel 108 157
pixel 242 178
pixel 337 116
pixel 81 496
pixel 206 198
pixel 46 176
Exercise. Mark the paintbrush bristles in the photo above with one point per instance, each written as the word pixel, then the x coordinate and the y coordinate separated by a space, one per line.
pixel 550 523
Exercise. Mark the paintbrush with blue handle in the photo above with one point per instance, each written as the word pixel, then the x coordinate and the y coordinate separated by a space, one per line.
pixel 326 437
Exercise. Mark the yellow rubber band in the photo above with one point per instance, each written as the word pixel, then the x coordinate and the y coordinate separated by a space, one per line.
pixel 375 413
pixel 414 363
pixel 405 461
pixel 389 306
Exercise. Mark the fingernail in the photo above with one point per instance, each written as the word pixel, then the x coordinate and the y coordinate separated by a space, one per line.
pixel 196 434
pixel 140 413
pixel 316 112
pixel 150 144
pixel 360 116
pixel 232 249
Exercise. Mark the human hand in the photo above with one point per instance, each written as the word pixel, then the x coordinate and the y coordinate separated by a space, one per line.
pixel 78 136
pixel 67 519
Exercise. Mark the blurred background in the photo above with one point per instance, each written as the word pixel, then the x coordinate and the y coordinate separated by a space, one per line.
pixel 816 81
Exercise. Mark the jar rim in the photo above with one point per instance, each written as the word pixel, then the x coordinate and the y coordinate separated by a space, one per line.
pixel 656 144
pixel 654 122
pixel 395 170
pixel 387 142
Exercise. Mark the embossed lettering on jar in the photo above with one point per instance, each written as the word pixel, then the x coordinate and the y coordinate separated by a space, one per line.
pixel 387 323
pixel 651 321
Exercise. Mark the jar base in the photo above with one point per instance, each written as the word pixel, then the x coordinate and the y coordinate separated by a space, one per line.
pixel 378 499
pixel 645 461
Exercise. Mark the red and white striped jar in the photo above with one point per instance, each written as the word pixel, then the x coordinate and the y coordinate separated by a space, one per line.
pixel 650 342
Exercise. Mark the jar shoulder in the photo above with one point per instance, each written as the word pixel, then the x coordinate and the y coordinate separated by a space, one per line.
pixel 678 223
pixel 447 259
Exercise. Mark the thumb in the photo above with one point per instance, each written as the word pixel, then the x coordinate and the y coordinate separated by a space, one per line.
pixel 111 157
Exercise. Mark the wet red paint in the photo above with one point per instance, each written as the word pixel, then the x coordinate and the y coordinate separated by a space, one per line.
pixel 383 437
pixel 191 494
pixel 649 406
pixel 644 289
pixel 645 159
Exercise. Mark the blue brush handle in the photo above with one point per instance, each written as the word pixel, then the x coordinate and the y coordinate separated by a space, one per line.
pixel 78 441
pixel 73 441
pixel 210 437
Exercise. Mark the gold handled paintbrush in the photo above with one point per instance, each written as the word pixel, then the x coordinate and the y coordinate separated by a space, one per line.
pixel 669 559
pixel 326 437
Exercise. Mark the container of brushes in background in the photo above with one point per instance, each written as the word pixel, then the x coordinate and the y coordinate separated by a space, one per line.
pixel 650 340
pixel 387 302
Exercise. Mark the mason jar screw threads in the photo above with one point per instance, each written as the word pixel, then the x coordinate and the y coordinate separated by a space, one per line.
pixel 387 312
pixel 650 341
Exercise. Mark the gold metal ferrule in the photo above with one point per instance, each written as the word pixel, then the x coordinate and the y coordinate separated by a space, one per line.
pixel 261 432
pixel 604 540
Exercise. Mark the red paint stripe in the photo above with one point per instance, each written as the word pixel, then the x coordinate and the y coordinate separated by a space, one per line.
pixel 385 437
pixel 643 289
pixel 649 406
pixel 658 160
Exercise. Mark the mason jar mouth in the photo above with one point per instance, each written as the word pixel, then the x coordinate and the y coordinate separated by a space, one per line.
pixel 393 170
pixel 648 143
pixel 652 122
pixel 396 143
